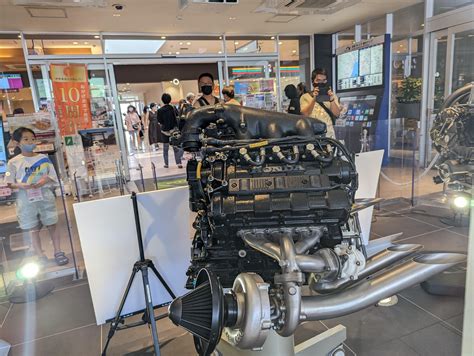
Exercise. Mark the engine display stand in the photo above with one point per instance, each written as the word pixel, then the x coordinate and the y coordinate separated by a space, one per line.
pixel 328 343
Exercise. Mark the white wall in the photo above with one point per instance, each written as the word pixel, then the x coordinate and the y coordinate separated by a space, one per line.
pixel 177 92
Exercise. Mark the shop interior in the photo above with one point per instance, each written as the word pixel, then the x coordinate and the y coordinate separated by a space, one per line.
pixel 423 54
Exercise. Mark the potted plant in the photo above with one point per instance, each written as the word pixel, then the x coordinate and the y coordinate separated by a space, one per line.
pixel 409 98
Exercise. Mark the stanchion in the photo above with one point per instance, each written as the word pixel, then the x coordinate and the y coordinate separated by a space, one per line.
pixel 155 179
pixel 140 167
pixel 78 195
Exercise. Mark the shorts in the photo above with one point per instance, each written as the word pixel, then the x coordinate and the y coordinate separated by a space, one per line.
pixel 31 214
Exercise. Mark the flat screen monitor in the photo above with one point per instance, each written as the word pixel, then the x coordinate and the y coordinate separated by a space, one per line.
pixel 360 68
pixel 361 108
pixel 10 81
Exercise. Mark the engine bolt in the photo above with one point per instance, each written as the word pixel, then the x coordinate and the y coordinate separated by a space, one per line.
pixel 358 263
pixel 292 290
pixel 234 185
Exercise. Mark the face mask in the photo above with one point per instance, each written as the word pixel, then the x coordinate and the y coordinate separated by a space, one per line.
pixel 28 148
pixel 206 89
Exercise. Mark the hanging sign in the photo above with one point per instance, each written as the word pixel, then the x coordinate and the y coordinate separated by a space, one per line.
pixel 71 97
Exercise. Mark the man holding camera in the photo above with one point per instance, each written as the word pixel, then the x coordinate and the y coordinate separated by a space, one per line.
pixel 321 103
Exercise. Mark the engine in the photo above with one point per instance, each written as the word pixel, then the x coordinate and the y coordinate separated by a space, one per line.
pixel 453 137
pixel 277 239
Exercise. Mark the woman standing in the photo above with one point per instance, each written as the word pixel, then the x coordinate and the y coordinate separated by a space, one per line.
pixel 154 127
pixel 132 122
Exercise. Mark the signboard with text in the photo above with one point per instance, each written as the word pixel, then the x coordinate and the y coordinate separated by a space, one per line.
pixel 71 97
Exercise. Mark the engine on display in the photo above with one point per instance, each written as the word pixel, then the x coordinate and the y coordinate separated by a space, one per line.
pixel 277 239
pixel 453 137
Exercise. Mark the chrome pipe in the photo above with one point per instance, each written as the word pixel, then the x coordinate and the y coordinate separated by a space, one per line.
pixel 306 263
pixel 375 264
pixel 291 287
pixel 369 292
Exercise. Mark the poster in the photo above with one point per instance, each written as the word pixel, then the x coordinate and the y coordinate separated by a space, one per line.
pixel 72 97
pixel 42 125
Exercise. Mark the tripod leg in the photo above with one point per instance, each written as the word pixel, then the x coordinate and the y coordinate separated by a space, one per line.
pixel 115 322
pixel 158 275
pixel 150 310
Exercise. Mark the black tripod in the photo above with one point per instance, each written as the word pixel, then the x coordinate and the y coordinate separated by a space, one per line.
pixel 142 265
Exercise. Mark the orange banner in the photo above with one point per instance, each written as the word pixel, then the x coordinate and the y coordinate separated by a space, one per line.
pixel 71 97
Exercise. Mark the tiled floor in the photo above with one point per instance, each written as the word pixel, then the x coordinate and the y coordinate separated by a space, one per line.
pixel 420 324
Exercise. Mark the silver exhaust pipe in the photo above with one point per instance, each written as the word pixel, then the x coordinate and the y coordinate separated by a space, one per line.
pixel 375 264
pixel 369 292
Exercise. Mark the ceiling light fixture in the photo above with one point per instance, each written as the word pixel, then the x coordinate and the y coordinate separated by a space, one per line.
pixel 96 36
pixel 116 15
pixel 181 43
pixel 75 43
pixel 220 37
pixel 188 43
pixel 163 37
pixel 236 43
pixel 86 43
pixel 272 38
pixel 294 51
pixel 19 36
pixel 232 18
pixel 220 52
pixel 280 43
pixel 177 52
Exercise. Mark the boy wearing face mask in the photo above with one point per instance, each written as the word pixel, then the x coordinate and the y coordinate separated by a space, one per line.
pixel 33 175
pixel 206 87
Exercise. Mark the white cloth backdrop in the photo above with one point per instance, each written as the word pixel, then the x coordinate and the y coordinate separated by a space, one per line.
pixel 368 166
pixel 108 239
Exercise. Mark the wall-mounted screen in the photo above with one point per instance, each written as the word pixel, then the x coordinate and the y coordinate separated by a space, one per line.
pixel 360 68
pixel 10 81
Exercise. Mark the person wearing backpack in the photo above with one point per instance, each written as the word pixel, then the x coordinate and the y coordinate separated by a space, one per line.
pixel 167 117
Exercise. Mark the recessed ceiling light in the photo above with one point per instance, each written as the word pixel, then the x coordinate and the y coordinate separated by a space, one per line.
pixel 86 43
pixel 116 15
pixel 280 43
pixel 19 36
pixel 219 52
pixel 181 43
pixel 128 83
pixel 177 52
pixel 170 53
pixel 272 38
pixel 163 37
pixel 294 51
pixel 188 43
pixel 422 25
pixel 75 43
pixel 96 36
pixel 398 51
pixel 236 43
pixel 232 18
pixel 220 37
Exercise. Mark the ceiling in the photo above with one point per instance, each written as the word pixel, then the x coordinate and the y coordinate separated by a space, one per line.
pixel 165 17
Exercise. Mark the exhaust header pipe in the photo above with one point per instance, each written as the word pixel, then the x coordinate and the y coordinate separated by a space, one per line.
pixel 369 292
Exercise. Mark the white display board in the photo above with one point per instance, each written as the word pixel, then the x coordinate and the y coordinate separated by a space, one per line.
pixel 109 245
pixel 368 166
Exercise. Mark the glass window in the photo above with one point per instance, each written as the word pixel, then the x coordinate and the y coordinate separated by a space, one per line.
pixel 164 45
pixel 408 20
pixel 346 37
pixel 250 45
pixel 442 6
pixel 63 45
pixel 373 28
pixel 254 83
pixel 463 64
pixel 15 91
pixel 295 66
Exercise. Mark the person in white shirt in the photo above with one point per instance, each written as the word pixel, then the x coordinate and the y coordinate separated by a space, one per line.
pixel 326 111
pixel 33 176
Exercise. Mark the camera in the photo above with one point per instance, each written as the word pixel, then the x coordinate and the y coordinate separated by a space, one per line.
pixel 118 7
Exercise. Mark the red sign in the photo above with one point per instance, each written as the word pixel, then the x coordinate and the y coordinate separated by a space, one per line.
pixel 71 97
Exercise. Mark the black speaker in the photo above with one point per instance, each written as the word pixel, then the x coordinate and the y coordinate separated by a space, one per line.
pixel 205 311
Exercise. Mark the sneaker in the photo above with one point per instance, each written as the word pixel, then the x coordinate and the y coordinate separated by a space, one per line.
pixel 166 166
pixel 180 166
